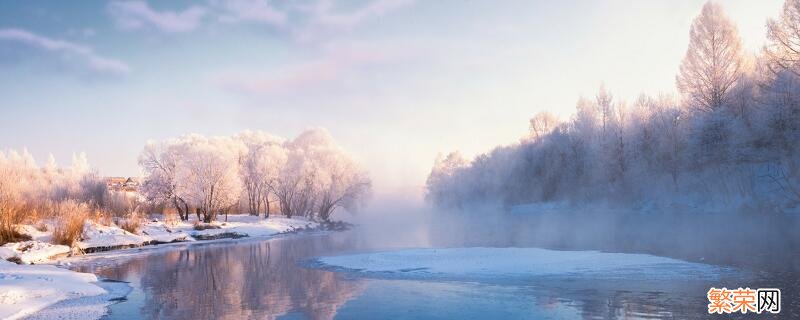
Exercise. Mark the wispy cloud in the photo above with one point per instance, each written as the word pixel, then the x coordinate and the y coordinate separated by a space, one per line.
pixel 303 21
pixel 325 14
pixel 324 18
pixel 67 49
pixel 250 11
pixel 133 15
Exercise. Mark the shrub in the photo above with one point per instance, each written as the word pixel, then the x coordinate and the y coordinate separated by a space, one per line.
pixel 131 223
pixel 171 217
pixel 10 216
pixel 11 210
pixel 41 226
pixel 72 217
pixel 14 236
pixel 102 217
pixel 120 204
pixel 199 226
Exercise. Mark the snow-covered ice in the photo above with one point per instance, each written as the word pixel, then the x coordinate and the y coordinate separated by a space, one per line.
pixel 25 289
pixel 481 262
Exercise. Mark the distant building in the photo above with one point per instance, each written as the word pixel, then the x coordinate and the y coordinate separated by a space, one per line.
pixel 122 184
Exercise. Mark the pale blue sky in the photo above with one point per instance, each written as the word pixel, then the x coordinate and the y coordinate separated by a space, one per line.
pixel 395 81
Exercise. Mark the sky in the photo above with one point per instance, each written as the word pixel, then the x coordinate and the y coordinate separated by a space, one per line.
pixel 396 82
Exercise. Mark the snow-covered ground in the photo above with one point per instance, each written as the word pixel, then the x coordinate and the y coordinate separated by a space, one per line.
pixel 98 237
pixel 34 251
pixel 25 289
pixel 480 262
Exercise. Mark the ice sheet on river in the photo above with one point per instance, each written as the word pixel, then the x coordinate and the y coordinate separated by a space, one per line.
pixel 517 262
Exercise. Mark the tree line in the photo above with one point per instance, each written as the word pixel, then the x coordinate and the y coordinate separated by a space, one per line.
pixel 308 176
pixel 252 172
pixel 731 136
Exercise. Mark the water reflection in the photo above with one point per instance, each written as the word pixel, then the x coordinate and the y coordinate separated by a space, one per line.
pixel 260 279
pixel 249 280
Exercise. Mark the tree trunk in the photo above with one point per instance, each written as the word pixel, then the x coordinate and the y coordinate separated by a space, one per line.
pixel 178 208
pixel 266 213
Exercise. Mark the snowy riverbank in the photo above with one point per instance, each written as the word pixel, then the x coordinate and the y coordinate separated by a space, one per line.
pixel 26 288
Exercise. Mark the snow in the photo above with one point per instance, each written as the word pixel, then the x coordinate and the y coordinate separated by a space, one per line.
pixel 25 289
pixel 97 235
pixel 33 251
pixel 254 226
pixel 85 307
pixel 158 231
pixel 480 262
pixel 100 236
pixel 35 234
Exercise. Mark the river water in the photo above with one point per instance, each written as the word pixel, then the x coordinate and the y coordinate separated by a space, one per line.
pixel 269 279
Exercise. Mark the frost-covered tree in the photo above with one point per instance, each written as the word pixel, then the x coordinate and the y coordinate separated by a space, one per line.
pixel 439 183
pixel 342 184
pixel 744 147
pixel 783 49
pixel 713 61
pixel 309 176
pixel 260 166
pixel 541 124
pixel 319 177
pixel 159 162
pixel 208 175
pixel 294 186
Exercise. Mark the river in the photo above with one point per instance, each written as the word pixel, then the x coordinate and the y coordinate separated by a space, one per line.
pixel 269 279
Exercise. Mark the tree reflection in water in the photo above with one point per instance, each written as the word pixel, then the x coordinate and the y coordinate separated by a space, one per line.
pixel 261 279
pixel 235 281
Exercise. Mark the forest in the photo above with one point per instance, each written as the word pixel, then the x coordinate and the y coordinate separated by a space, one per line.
pixel 728 142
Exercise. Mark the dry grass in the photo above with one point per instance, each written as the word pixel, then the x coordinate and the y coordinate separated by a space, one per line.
pixel 10 217
pixel 102 217
pixel 41 226
pixel 203 226
pixel 171 217
pixel 11 213
pixel 120 204
pixel 69 228
pixel 13 236
pixel 131 224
